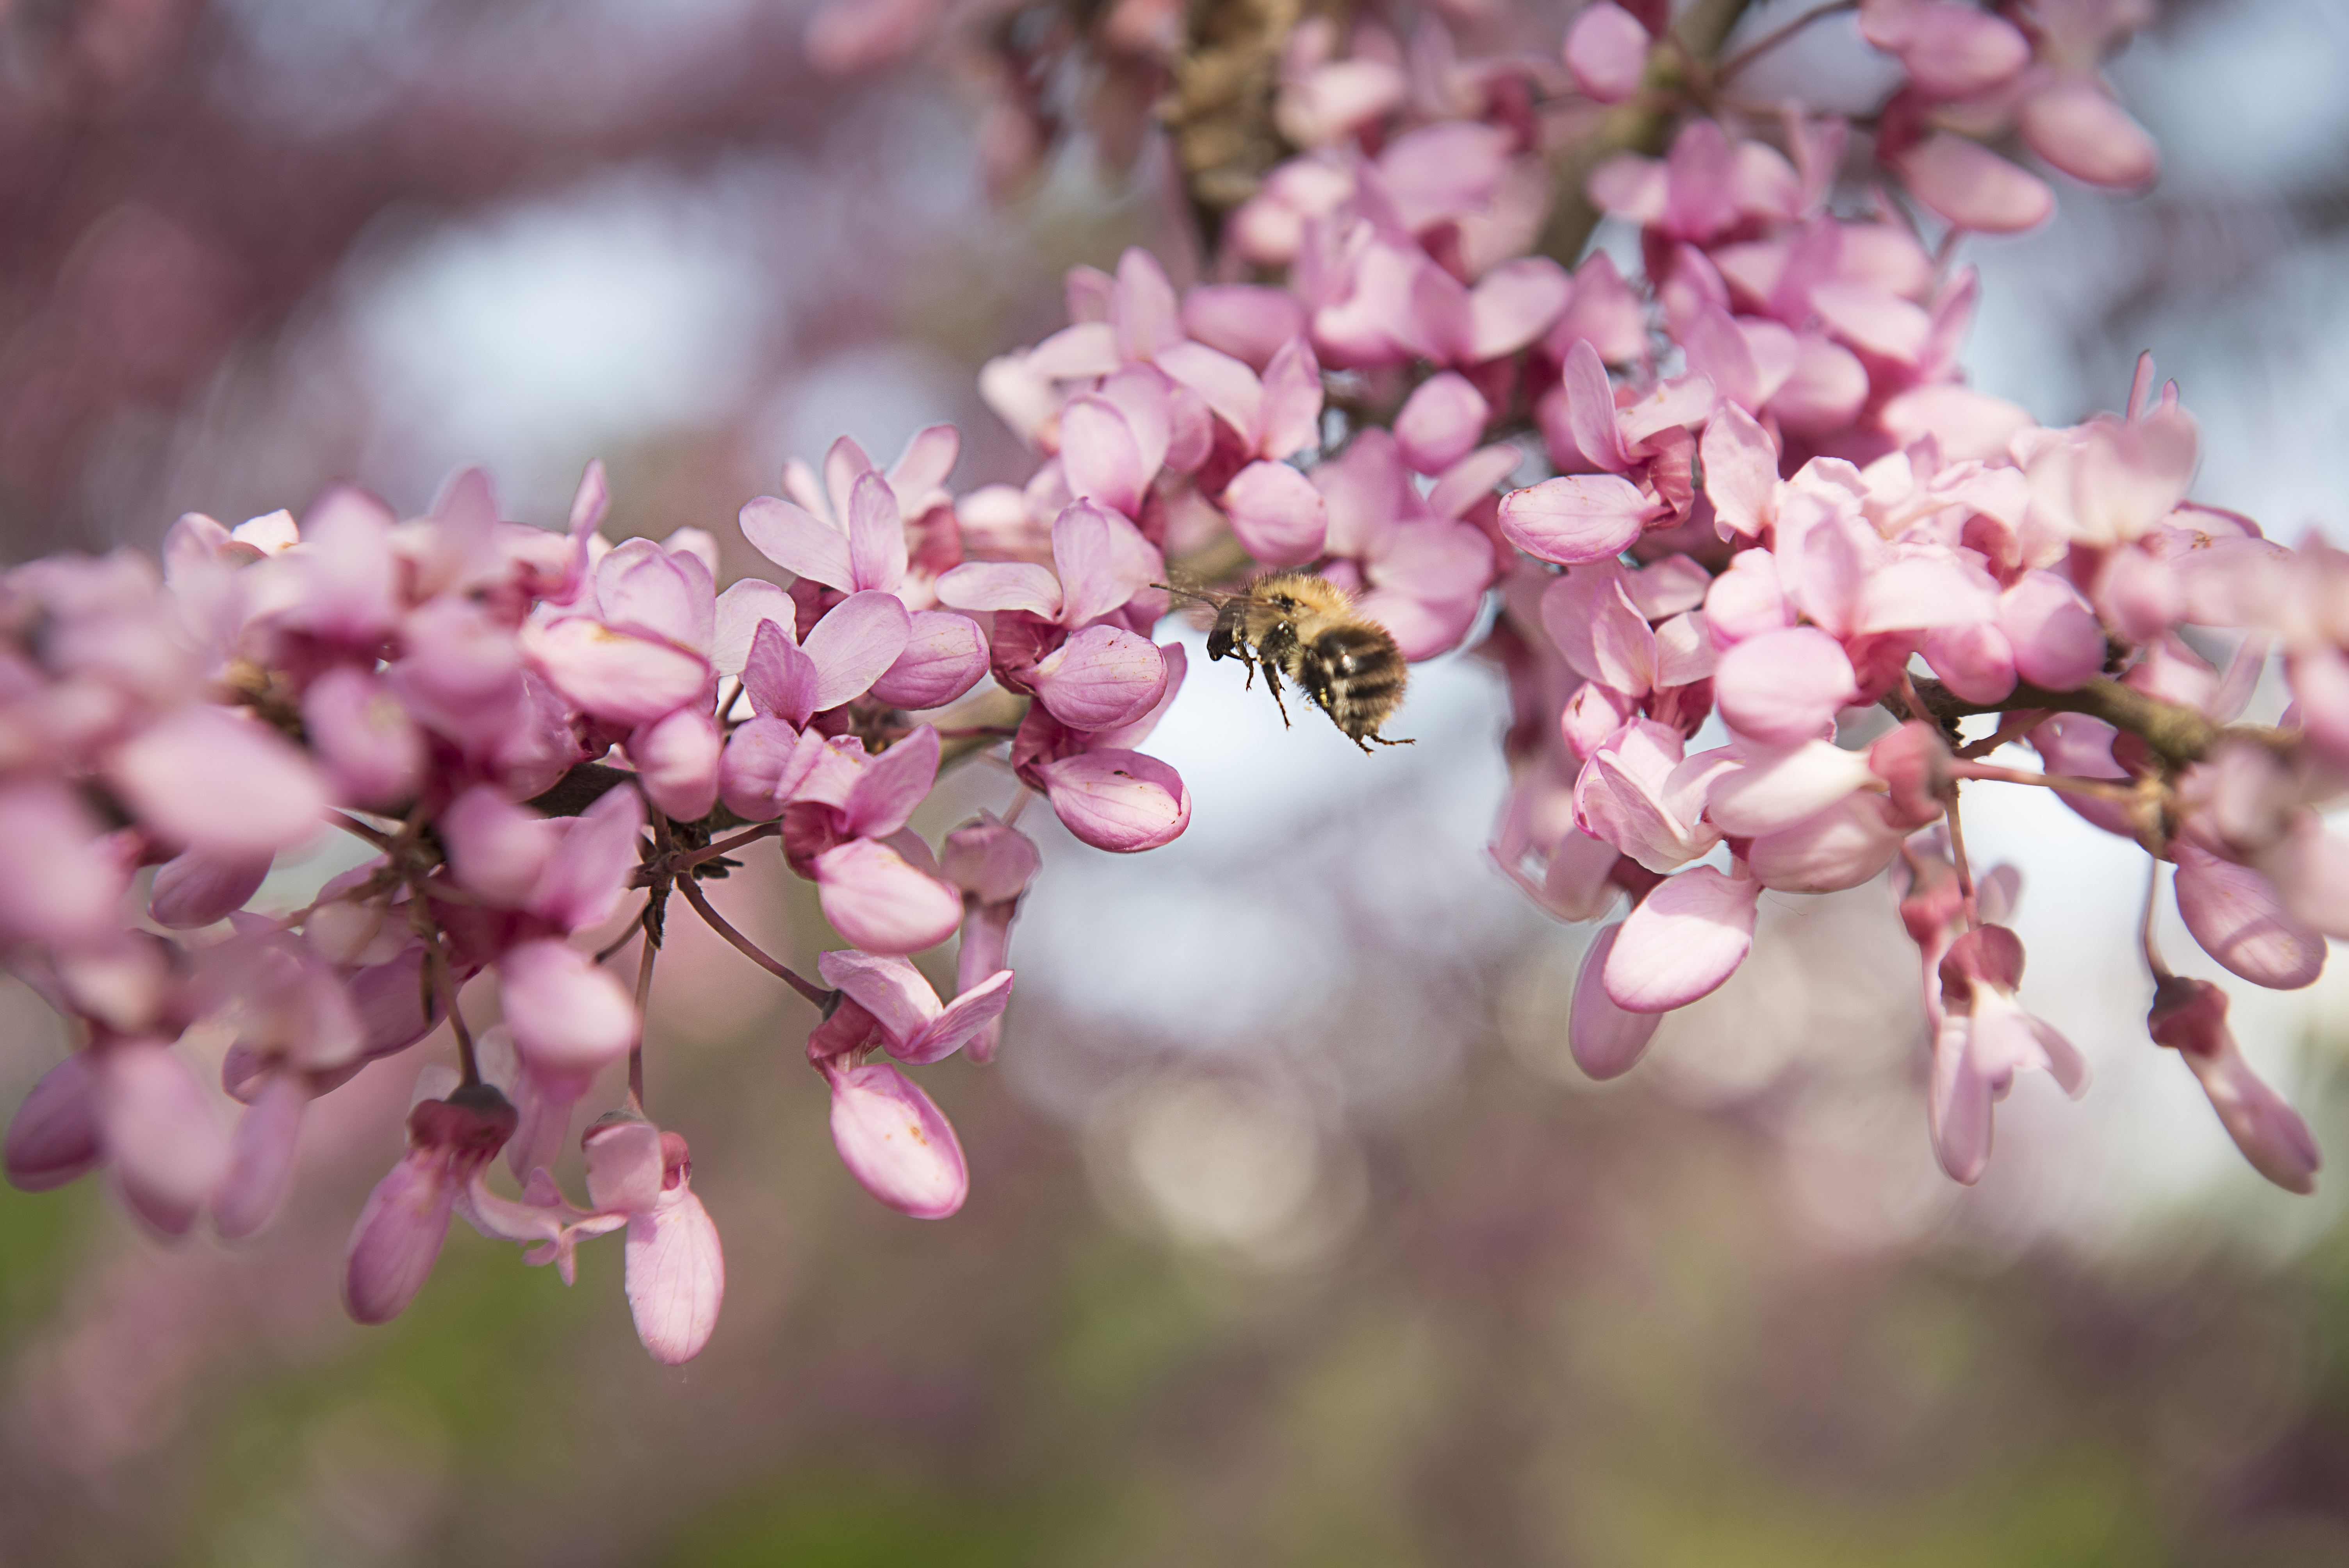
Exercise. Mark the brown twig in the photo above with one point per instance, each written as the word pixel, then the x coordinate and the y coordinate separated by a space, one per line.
pixel 751 949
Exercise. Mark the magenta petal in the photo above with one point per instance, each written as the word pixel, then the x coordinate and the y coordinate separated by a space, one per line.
pixel 583 883
pixel 780 676
pixel 1277 513
pixel 1101 677
pixel 1118 800
pixel 889 987
pixel 877 534
pixel 1577 520
pixel 1002 585
pixel 945 656
pixel 880 902
pixel 196 889
pixel 1784 687
pixel 261 1157
pixel 627 680
pixel 675 1279
pixel 398 1237
pixel 2240 919
pixel 567 1013
pixel 1607 51
pixel 54 1136
pixel 891 785
pixel 158 1130
pixel 958 1021
pixel 854 644
pixel 1683 941
pixel 211 780
pixel 676 763
pixel 1605 1038
pixel 798 542
pixel 894 1142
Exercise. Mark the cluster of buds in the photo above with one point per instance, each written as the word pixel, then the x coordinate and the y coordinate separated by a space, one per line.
pixel 1771 501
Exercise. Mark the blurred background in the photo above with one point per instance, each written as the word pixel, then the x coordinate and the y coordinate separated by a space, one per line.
pixel 1295 1237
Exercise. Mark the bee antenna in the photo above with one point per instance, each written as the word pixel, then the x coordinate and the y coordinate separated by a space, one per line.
pixel 1217 599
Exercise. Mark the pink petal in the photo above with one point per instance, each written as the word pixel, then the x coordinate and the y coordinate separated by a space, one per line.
pixel 261 1158
pixel 1824 392
pixel 363 738
pixel 1607 51
pixel 876 535
pixel 1950 51
pixel 1118 800
pixel 582 884
pixel 676 763
pixel 891 785
pixel 54 1136
pixel 1472 478
pixel 798 541
pixel 2077 127
pixel 854 644
pixel 159 1129
pixel 398 1237
pixel 1784 687
pixel 928 457
pixel 1741 470
pixel 627 680
pixel 1228 386
pixel 210 781
pixel 675 1277
pixel 1776 790
pixel 646 591
pixel 496 849
pixel 1973 187
pixel 889 987
pixel 1873 319
pixel 1958 1103
pixel 945 656
pixel 1101 678
pixel 1590 409
pixel 64 879
pixel 1577 520
pixel 1100 457
pixel 1683 941
pixel 1513 304
pixel 1103 559
pixel 1276 514
pixel 624 1166
pixel 894 1142
pixel 959 1021
pixel 1440 423
pixel 880 903
pixel 1292 401
pixel 567 1012
pixel 740 609
pixel 2058 643
pixel 1607 1041
pixel 1841 847
pixel 1249 322
pixel 1976 662
pixel 780 677
pixel 195 889
pixel 2240 919
pixel 1143 310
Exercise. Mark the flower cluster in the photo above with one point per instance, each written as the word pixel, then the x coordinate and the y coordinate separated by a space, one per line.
pixel 1766 502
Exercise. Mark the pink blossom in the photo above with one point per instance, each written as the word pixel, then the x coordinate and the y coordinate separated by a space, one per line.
pixel 1681 941
pixel 1984 1038
pixel 398 1234
pixel 1606 1040
pixel 915 1026
pixel 1608 52
pixel 2190 1017
pixel 895 1142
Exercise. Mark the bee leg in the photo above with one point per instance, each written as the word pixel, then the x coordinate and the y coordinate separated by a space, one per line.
pixel 1383 741
pixel 1272 685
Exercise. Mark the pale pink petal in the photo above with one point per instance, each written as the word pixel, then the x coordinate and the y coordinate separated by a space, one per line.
pixel 582 883
pixel 798 541
pixel 928 457
pixel 1142 309
pixel 891 785
pixel 1576 519
pixel 1824 392
pixel 567 1012
pixel 65 878
pixel 1470 479
pixel 740 609
pixel 195 889
pixel 1100 457
pixel 675 1275
pixel 1631 187
pixel 496 849
pixel 398 1237
pixel 1741 470
pixel 962 1019
pixel 1683 941
pixel 646 591
pixel 261 1158
pixel 780 677
pixel 211 780
pixel 1227 387
pixel 945 656
pixel 1250 321
pixel 1291 417
pixel 1276 514
pixel 896 1144
pixel 1513 304
pixel 1607 51
pixel 624 1166
pixel 160 1131
pixel 1590 409
pixel 54 1136
pixel 1777 789
pixel 1976 662
pixel 1118 800
pixel 627 680
pixel 370 749
pixel 878 901
pixel 1950 51
pixel 887 987
pixel 1606 1040
pixel 1841 847
pixel 1103 559
pixel 2240 920
pixel 854 644
pixel 1102 678
pixel 1958 1102
pixel 2058 643
pixel 2075 126
pixel 1973 187
pixel 1784 687
pixel 1440 422
pixel 676 763
pixel 1873 319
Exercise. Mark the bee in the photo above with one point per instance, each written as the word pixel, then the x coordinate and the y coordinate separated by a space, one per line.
pixel 1308 626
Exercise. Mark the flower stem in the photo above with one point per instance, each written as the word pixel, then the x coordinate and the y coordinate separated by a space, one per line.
pixel 750 949
pixel 1769 41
